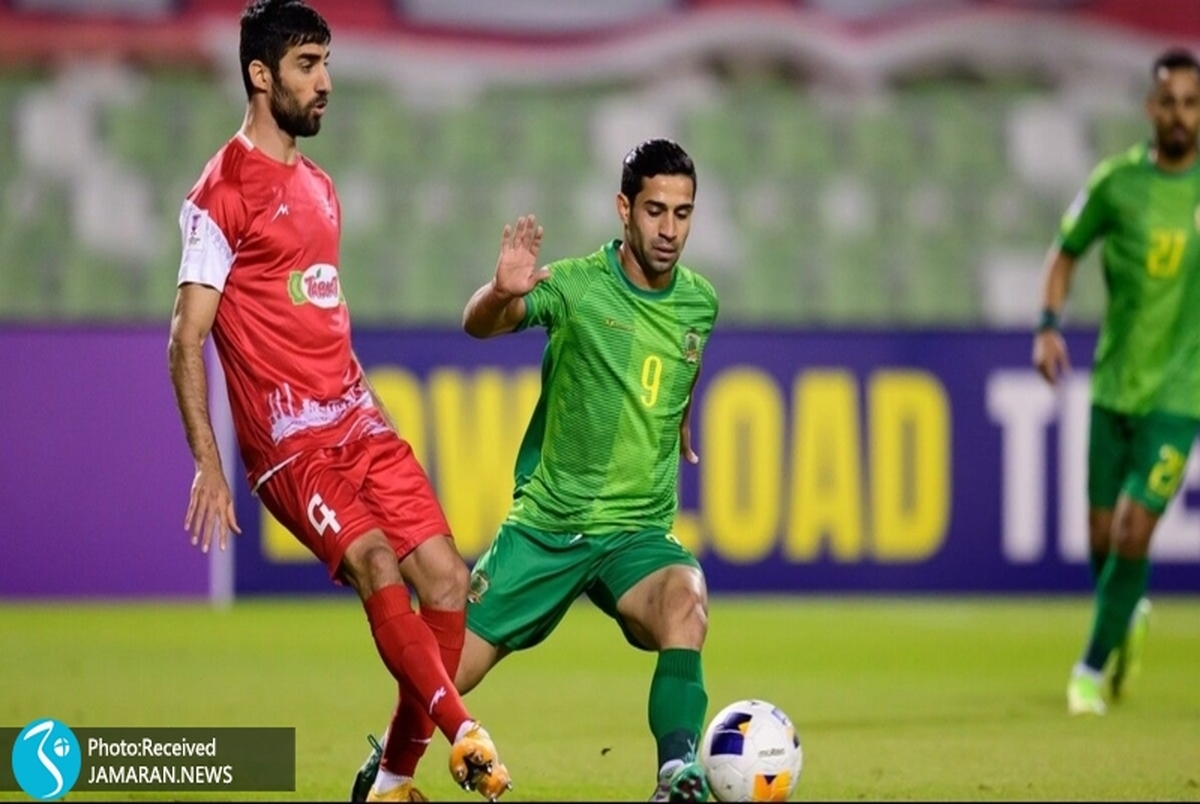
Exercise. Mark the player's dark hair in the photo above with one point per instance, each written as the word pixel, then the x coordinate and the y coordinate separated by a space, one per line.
pixel 272 27
pixel 1176 58
pixel 654 158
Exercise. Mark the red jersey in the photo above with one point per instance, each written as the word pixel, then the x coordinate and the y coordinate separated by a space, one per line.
pixel 266 235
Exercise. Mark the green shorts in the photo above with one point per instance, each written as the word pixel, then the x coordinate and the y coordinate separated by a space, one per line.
pixel 522 587
pixel 1142 457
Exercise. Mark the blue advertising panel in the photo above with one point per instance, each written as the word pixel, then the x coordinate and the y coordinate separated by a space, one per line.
pixel 921 461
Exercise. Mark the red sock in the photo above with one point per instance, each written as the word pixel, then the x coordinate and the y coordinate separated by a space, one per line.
pixel 411 728
pixel 410 652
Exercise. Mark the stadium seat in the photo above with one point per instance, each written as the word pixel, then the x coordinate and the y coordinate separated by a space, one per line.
pixel 941 285
pixel 93 288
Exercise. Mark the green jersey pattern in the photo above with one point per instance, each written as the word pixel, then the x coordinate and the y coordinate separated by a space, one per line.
pixel 1148 354
pixel 601 453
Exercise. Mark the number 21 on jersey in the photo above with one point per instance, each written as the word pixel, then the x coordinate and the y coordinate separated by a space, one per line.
pixel 1166 252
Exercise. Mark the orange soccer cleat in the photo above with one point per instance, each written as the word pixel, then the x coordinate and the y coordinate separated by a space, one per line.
pixel 475 764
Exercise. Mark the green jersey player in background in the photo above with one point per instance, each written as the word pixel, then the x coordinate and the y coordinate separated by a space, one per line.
pixel 1145 205
pixel 596 474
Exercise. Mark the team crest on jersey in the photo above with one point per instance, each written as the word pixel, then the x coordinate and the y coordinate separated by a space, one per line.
pixel 691 346
pixel 479 586
pixel 318 285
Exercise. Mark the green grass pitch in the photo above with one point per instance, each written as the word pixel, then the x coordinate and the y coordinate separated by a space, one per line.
pixel 894 698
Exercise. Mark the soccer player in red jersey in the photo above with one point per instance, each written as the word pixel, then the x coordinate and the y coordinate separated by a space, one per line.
pixel 260 273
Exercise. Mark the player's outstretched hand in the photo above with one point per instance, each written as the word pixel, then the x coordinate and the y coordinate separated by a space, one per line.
pixel 1050 355
pixel 210 509
pixel 517 270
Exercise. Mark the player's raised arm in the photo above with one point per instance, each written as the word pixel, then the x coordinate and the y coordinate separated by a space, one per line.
pixel 1049 348
pixel 210 506
pixel 499 306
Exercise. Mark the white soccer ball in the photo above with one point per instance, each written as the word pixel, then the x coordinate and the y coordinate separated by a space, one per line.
pixel 62 746
pixel 751 752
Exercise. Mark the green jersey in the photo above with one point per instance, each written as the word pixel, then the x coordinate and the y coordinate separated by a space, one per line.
pixel 1148 354
pixel 601 453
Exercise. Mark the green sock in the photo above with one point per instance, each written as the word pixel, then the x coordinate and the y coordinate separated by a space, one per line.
pixel 1122 584
pixel 677 704
pixel 1098 559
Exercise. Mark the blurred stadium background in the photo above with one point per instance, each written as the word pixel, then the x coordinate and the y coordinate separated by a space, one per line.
pixel 878 183
pixel 864 162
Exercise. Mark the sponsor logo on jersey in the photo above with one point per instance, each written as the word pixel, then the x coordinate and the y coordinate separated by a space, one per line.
pixel 691 346
pixel 318 285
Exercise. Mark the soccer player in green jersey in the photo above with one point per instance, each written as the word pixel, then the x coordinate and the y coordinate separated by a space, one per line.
pixel 1145 205
pixel 596 474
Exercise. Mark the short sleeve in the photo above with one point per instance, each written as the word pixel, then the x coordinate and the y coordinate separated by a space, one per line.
pixel 210 223
pixel 1089 215
pixel 546 304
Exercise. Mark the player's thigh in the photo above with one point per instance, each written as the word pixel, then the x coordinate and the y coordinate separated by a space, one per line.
pixel 1161 443
pixel 630 559
pixel 524 584
pixel 316 497
pixel 398 493
pixel 1110 449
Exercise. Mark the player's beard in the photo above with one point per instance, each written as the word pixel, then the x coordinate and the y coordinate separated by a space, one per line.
pixel 296 120
pixel 1175 141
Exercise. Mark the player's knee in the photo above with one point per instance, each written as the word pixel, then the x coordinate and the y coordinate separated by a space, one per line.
pixel 1133 542
pixel 1131 535
pixel 685 608
pixel 370 564
pixel 447 590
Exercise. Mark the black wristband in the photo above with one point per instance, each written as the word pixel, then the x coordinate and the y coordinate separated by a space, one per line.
pixel 1048 320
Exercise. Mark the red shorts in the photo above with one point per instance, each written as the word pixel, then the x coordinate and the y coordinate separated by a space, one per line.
pixel 329 497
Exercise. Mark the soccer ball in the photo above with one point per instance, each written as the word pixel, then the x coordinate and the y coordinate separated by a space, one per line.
pixel 62 747
pixel 751 752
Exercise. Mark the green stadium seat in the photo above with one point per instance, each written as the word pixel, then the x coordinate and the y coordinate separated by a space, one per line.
pixel 963 131
pixel 95 288
pixel 715 138
pixel 439 183
pixel 797 138
pixel 1114 133
pixel 859 277
pixel 10 94
pixel 941 281
pixel 34 249
pixel 369 129
pixel 29 285
pixel 148 132
pixel 543 134
pixel 780 280
pixel 883 146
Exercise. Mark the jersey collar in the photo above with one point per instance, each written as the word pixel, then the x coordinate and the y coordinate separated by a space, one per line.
pixel 614 262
